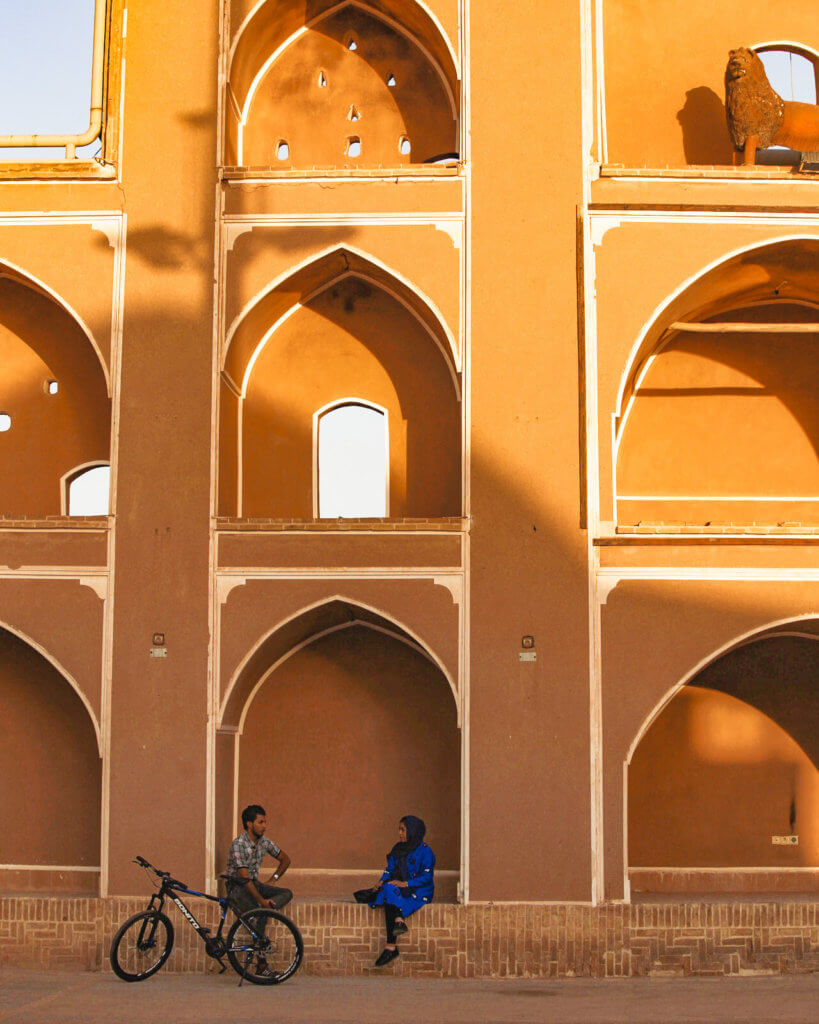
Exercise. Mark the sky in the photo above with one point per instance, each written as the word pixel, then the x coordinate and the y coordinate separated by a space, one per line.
pixel 45 70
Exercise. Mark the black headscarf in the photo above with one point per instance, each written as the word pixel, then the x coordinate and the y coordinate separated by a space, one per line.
pixel 416 830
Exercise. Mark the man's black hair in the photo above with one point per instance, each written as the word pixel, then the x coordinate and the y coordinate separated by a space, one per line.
pixel 251 813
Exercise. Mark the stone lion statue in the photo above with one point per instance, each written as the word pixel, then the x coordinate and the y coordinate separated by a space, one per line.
pixel 758 117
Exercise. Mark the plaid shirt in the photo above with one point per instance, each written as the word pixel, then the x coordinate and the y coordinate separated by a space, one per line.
pixel 244 853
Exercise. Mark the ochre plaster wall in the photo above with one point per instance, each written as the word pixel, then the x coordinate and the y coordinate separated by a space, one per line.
pixel 49 434
pixel 664 73
pixel 353 101
pixel 49 764
pixel 352 341
pixel 345 737
pixel 712 780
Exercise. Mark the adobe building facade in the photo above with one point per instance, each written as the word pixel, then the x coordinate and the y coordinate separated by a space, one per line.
pixel 581 642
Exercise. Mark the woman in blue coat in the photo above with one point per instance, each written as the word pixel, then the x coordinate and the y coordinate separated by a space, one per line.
pixel 407 884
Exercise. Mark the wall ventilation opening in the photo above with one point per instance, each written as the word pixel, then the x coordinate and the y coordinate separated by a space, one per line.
pixel 353 114
pixel 52 387
pixel 322 80
pixel 404 146
pixel 352 45
pixel 88 492
pixel 391 81
pixel 5 422
pixel 282 151
pixel 354 147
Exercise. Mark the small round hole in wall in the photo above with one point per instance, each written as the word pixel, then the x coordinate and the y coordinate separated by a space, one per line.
pixel 322 80
pixel 352 45
pixel 391 80
pixel 405 146
pixel 354 147
pixel 282 151
pixel 353 114
pixel 51 387
pixel 5 422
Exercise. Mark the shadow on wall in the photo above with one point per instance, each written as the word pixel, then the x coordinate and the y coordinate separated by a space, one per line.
pixel 704 129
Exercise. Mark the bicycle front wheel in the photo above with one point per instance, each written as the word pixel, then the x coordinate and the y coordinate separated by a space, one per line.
pixel 141 946
pixel 265 947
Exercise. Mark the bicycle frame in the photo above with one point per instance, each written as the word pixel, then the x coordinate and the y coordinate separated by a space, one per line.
pixel 168 889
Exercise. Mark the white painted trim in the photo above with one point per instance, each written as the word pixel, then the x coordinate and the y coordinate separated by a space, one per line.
pixel 309 25
pixel 769 869
pixel 329 599
pixel 243 222
pixel 314 258
pixel 47 867
pixel 717 497
pixel 317 416
pixel 787 44
pixel 339 572
pixel 67 676
pixel 712 575
pixel 602 112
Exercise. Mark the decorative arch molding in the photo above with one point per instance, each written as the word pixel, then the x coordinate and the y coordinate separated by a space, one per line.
pixel 299 630
pixel 24 278
pixel 730 281
pixel 66 675
pixel 259 320
pixel 273 25
pixel 770 630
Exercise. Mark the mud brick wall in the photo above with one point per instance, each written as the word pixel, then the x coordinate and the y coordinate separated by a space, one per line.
pixel 445 940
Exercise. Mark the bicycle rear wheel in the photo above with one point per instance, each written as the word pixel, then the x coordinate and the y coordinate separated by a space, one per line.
pixel 265 947
pixel 141 946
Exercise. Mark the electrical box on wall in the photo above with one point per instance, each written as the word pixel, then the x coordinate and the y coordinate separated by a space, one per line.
pixel 785 840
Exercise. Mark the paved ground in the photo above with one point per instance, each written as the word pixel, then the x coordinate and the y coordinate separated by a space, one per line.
pixel 35 998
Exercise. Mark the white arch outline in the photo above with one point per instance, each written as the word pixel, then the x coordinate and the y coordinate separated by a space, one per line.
pixel 67 478
pixel 787 44
pixel 678 291
pixel 429 653
pixel 308 25
pixel 742 640
pixel 336 404
pixel 72 682
pixel 68 309
pixel 453 360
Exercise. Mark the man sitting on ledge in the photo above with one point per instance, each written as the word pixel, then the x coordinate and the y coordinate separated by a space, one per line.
pixel 247 852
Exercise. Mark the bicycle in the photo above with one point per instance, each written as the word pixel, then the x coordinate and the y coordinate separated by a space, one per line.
pixel 263 946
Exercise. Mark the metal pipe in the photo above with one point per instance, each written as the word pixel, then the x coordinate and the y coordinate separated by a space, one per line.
pixel 71 142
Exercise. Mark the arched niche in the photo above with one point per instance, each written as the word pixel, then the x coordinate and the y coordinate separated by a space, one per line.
pixel 717 421
pixel 53 395
pixel 313 74
pixel 340 326
pixel 730 760
pixel 50 751
pixel 355 720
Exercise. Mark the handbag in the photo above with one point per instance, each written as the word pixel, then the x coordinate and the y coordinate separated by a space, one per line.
pixel 364 895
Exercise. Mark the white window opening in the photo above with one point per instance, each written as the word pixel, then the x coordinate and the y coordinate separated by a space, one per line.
pixel 5 422
pixel 391 80
pixel 52 387
pixel 45 74
pixel 352 462
pixel 282 151
pixel 354 147
pixel 88 492
pixel 405 146
pixel 793 75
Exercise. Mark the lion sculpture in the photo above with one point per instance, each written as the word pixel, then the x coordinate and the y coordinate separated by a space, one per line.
pixel 758 117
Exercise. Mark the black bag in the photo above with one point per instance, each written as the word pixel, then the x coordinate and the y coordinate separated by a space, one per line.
pixel 364 895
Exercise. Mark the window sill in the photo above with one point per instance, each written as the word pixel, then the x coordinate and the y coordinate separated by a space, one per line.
pixel 18 522
pixel 453 524
pixel 723 173
pixel 414 172
pixel 707 534
pixel 56 170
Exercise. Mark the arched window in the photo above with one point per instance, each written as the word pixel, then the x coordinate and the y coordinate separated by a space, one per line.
pixel 87 491
pixel 791 72
pixel 352 461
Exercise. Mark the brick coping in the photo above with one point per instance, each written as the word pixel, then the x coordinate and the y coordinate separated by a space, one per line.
pixel 456 941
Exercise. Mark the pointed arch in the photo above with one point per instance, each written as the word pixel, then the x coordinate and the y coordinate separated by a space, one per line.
pixel 770 629
pixel 270 308
pixel 28 280
pixel 66 675
pixel 299 630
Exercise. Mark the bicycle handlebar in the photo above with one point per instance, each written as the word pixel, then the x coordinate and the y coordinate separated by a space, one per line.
pixel 160 874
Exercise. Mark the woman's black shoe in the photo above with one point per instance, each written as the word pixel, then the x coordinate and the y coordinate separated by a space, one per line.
pixel 386 957
pixel 399 928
